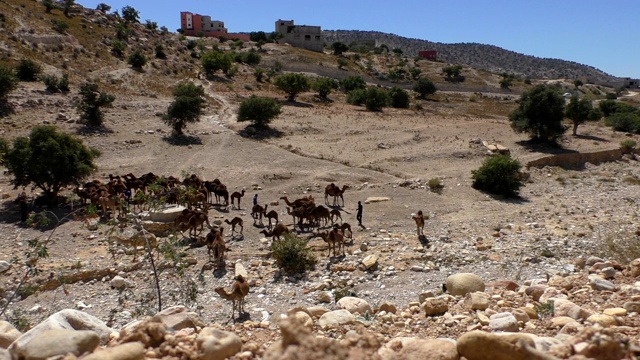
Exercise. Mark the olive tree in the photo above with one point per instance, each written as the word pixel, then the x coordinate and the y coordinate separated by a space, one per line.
pixel 259 110
pixel 540 113
pixel 424 87
pixel 187 106
pixel 581 111
pixel 68 161
pixel 292 84
pixel 91 100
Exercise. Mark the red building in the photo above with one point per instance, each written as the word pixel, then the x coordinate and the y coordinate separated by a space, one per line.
pixel 202 25
pixel 428 54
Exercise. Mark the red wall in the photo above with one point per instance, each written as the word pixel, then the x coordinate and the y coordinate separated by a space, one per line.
pixel 428 54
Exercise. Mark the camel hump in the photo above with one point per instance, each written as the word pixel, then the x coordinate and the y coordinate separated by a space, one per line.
pixel 240 278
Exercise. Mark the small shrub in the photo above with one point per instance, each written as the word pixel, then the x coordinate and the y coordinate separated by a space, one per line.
pixel 137 59
pixel 498 175
pixel 8 82
pixel 624 121
pixel 545 310
pixel 292 256
pixel 628 145
pixel 259 110
pixel 59 26
pixel 435 185
pixel 55 84
pixel 342 292
pixel 259 74
pixel 356 96
pixel 622 246
pixel 399 98
pixel 117 48
pixel 160 54
pixel 28 70
pixel 377 98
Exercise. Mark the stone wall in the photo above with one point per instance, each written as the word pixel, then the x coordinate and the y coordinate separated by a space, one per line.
pixel 577 160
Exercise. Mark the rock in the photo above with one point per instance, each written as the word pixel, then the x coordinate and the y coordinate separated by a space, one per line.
pixel 602 320
pixel 504 322
pixel 608 273
pixel 127 351
pixel 407 348
pixel 615 312
pixel 165 215
pixel 178 318
pixel 505 285
pixel 68 319
pixel 304 319
pixel 58 342
pixel 317 311
pixel 545 343
pixel 8 334
pixel 535 291
pixel 214 344
pixel 632 306
pixel 335 318
pixel 92 223
pixel 354 305
pixel 563 307
pixel 425 295
pixel 375 199
pixel 634 267
pixel 476 301
pixel 240 270
pixel 324 297
pixel 158 228
pixel 4 354
pixel 4 266
pixel 435 306
pixel 560 321
pixel 480 345
pixel 297 343
pixel 463 283
pixel 598 283
pixel 388 308
pixel 520 315
pixel 370 262
pixel 118 282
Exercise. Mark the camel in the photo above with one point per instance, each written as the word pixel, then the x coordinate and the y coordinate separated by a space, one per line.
pixel 335 191
pixel 419 219
pixel 236 195
pixel 301 213
pixel 320 213
pixel 215 245
pixel 304 201
pixel 335 215
pixel 346 226
pixel 114 203
pixel 335 240
pixel 278 230
pixel 239 290
pixel 257 212
pixel 270 215
pixel 235 221
pixel 197 219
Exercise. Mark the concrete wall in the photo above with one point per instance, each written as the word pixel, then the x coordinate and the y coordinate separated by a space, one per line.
pixel 303 36
pixel 577 160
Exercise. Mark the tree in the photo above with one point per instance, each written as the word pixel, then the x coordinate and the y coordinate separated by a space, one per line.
pixel 376 99
pixel 48 6
pixel 122 32
pixel 259 110
pixel 8 82
pixel 324 85
pixel 624 121
pixel 353 82
pixel 67 6
pixel 129 14
pixel 452 72
pixel 577 83
pixel 160 54
pixel 506 81
pixel 137 60
pixel 579 111
pixel 256 36
pixel 213 61
pixel 399 98
pixel 292 84
pixel 424 87
pixel 117 48
pixel 187 106
pixel 397 51
pixel 498 175
pixel 415 73
pixel 339 48
pixel 151 25
pixel 342 63
pixel 103 7
pixel 90 103
pixel 28 70
pixel 68 161
pixel 540 113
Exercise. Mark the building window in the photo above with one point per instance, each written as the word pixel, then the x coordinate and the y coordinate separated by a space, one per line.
pixel 318 37
pixel 307 37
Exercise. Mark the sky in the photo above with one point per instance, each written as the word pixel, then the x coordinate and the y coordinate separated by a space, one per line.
pixel 602 34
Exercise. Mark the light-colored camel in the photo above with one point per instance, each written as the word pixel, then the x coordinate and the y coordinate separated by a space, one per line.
pixel 236 195
pixel 335 215
pixel 335 191
pixel 270 215
pixel 335 240
pixel 235 221
pixel 115 203
pixel 256 213
pixel 239 290
pixel 278 230
pixel 215 246
pixel 419 219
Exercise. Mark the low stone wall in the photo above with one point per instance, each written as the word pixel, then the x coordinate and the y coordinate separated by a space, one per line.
pixel 577 160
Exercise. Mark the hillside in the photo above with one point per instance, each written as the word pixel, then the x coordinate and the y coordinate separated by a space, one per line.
pixel 479 56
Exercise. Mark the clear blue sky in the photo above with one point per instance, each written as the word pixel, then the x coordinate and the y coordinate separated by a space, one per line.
pixel 602 34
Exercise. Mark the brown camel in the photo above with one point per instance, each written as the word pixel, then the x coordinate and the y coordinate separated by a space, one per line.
pixel 335 215
pixel 344 227
pixel 419 219
pixel 335 240
pixel 270 215
pixel 278 230
pixel 320 214
pixel 196 220
pixel 256 213
pixel 335 191
pixel 235 221
pixel 301 213
pixel 215 245
pixel 239 290
pixel 236 195
pixel 304 201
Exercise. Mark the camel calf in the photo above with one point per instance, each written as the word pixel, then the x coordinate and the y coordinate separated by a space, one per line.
pixel 235 221
pixel 419 219
pixel 215 245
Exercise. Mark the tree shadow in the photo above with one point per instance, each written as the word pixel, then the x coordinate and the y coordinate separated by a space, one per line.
pixel 260 133
pixel 515 199
pixel 216 78
pixel 590 137
pixel 544 147
pixel 6 108
pixel 182 140
pixel 93 130
pixel 296 104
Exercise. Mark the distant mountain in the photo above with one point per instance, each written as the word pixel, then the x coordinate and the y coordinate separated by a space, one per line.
pixel 479 56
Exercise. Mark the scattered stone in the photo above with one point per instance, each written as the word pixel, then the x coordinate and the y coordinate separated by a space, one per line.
pixel 375 199
pixel 480 345
pixel 598 283
pixel 370 262
pixel 476 301
pixel 118 282
pixel 4 266
pixel 214 344
pixel 177 318
pixel 336 318
pixel 504 322
pixel 463 283
pixel 57 342
pixel 354 305
pixel 8 334
pixel 435 306
pixel 128 351
pixel 408 348
pixel 564 307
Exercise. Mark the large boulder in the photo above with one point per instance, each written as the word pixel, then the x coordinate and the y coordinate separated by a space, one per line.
pixel 58 342
pixel 408 348
pixel 464 283
pixel 214 344
pixel 354 305
pixel 127 351
pixel 336 318
pixel 480 345
pixel 476 301
pixel 177 318
pixel 167 215
pixel 564 307
pixel 8 334
pixel 68 319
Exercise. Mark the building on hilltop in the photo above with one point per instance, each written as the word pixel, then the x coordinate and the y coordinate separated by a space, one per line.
pixel 428 54
pixel 201 25
pixel 303 36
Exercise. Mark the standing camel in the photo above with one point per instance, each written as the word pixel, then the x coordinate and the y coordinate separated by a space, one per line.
pixel 333 190
pixel 419 219
pixel 235 221
pixel 238 196
pixel 239 290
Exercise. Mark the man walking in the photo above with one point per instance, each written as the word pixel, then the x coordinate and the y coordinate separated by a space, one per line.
pixel 359 214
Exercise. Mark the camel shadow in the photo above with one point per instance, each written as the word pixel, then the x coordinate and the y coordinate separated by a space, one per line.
pixel 245 316
pixel 182 140
pixel 260 133
pixel 220 272
pixel 424 241
pixel 6 108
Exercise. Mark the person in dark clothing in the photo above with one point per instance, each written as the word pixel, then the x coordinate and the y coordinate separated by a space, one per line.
pixel 359 214
pixel 255 199
pixel 24 207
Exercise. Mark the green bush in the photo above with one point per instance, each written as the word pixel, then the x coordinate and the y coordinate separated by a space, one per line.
pixel 160 54
pixel 59 26
pixel 259 110
pixel 91 102
pixel 292 256
pixel 187 107
pixel 628 144
pixel 137 59
pixel 424 87
pixel 8 81
pixel 376 99
pixel 356 96
pixel 216 60
pixel 498 175
pixel 117 48
pixel 625 121
pixel 353 82
pixel 399 98
pixel 28 70
pixel 435 185
pixel 323 86
pixel 55 84
pixel 292 84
